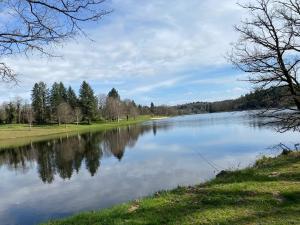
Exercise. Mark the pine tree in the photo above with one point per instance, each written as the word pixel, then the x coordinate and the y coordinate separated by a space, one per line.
pixel 152 107
pixel 40 102
pixel 63 92
pixel 72 98
pixel 88 101
pixel 58 95
pixel 55 98
pixel 11 113
pixel 114 94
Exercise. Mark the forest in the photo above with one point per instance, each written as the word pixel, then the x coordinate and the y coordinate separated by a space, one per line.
pixel 275 97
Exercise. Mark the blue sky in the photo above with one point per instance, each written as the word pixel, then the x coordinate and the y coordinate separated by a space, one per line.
pixel 151 51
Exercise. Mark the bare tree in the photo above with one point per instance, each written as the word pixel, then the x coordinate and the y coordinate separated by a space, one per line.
pixel 18 104
pixel 113 108
pixel 3 114
pixel 101 104
pixel 134 112
pixel 64 113
pixel 268 49
pixel 29 114
pixel 34 24
pixel 78 115
pixel 130 109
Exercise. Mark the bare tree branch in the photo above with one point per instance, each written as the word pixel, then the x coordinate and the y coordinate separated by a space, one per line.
pixel 6 73
pixel 269 49
pixel 35 24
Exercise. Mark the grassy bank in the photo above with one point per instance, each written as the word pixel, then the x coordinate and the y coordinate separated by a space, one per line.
pixel 267 193
pixel 16 135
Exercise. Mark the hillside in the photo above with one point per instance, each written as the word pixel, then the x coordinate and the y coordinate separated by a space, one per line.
pixel 258 99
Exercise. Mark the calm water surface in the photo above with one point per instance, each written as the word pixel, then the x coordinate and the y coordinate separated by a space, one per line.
pixel 57 178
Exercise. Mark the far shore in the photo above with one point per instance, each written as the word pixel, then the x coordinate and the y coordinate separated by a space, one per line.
pixel 20 134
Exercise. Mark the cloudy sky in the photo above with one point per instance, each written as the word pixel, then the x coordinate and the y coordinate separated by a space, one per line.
pixel 168 52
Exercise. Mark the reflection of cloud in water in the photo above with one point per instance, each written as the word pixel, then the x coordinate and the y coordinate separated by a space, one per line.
pixel 114 184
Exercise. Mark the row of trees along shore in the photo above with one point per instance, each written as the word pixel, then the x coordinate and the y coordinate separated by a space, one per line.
pixel 61 105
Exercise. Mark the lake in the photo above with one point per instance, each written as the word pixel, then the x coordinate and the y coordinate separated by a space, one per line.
pixel 60 177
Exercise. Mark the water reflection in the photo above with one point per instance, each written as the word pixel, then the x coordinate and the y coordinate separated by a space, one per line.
pixel 57 178
pixel 67 156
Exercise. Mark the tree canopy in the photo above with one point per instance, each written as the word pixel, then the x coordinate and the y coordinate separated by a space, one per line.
pixel 113 94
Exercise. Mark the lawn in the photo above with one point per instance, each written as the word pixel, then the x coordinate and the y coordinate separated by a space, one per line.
pixel 267 193
pixel 20 134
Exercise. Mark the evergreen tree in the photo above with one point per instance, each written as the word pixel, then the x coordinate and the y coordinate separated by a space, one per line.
pixel 3 115
pixel 88 101
pixel 58 95
pixel 114 94
pixel 40 102
pixel 72 98
pixel 152 107
pixel 11 113
pixel 134 104
pixel 55 98
pixel 63 92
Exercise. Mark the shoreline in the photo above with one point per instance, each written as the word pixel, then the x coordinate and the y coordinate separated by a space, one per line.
pixel 160 118
pixel 266 193
pixel 19 134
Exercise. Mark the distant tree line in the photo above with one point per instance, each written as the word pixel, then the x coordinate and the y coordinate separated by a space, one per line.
pixel 272 98
pixel 59 104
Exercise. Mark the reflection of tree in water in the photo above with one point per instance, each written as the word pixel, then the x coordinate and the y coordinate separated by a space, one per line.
pixel 154 128
pixel 93 152
pixel 45 161
pixel 65 156
pixel 260 122
pixel 18 159
pixel 115 141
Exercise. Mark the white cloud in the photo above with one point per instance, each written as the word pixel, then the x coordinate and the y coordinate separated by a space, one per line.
pixel 220 80
pixel 141 41
pixel 161 84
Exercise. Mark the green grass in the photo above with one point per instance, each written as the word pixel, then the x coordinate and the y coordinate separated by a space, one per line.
pixel 267 193
pixel 16 135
